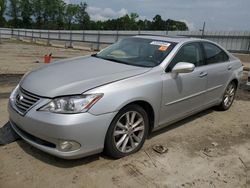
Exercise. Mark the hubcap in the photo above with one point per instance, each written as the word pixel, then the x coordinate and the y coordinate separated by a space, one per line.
pixel 129 131
pixel 229 95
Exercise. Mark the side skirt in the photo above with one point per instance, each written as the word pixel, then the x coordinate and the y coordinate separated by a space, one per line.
pixel 187 115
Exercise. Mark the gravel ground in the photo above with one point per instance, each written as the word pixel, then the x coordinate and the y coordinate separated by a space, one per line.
pixel 210 149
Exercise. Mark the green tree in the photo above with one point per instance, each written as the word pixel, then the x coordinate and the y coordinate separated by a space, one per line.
pixel 14 12
pixel 60 14
pixel 26 12
pixel 173 25
pixel 134 21
pixel 56 14
pixel 37 13
pixel 45 6
pixel 2 11
pixel 49 13
pixel 70 15
pixel 82 16
pixel 158 23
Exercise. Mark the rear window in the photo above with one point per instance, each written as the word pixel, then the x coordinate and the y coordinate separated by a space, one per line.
pixel 214 54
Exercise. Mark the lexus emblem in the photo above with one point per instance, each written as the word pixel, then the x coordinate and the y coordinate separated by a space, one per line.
pixel 20 98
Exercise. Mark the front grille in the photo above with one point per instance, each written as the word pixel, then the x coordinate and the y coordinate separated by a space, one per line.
pixel 25 100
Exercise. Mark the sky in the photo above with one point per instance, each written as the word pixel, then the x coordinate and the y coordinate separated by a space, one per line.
pixel 226 15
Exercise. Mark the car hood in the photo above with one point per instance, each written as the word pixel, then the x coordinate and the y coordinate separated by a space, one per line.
pixel 76 75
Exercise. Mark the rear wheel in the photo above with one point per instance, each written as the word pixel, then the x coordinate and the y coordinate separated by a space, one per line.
pixel 228 96
pixel 127 132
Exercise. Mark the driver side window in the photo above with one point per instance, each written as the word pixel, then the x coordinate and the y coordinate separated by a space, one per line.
pixel 190 53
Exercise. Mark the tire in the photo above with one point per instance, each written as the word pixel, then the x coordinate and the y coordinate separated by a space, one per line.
pixel 228 97
pixel 124 138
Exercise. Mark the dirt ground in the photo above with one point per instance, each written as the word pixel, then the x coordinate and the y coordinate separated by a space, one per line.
pixel 210 149
pixel 17 57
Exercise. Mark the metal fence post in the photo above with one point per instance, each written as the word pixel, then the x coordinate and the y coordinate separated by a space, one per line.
pixel 48 41
pixel 32 35
pixel 248 48
pixel 98 40
pixel 12 32
pixel 117 36
pixel 70 40
pixel 59 35
pixel 0 36
pixel 18 34
pixel 83 36
pixel 242 41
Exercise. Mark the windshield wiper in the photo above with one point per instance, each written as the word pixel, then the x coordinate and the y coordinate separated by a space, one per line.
pixel 115 60
pixel 109 59
pixel 119 61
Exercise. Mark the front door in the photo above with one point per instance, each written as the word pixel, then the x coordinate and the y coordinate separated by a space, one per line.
pixel 185 92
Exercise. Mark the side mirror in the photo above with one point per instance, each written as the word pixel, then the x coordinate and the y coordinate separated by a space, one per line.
pixel 183 67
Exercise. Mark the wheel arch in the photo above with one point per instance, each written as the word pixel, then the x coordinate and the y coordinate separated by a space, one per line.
pixel 236 82
pixel 149 110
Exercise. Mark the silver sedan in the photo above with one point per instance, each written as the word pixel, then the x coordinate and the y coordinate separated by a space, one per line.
pixel 112 100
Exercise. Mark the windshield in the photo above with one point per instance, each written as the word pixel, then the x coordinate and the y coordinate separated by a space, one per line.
pixel 137 52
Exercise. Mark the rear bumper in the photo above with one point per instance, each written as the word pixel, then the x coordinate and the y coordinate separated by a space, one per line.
pixel 44 130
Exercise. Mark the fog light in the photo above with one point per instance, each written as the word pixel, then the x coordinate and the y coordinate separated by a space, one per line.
pixel 66 146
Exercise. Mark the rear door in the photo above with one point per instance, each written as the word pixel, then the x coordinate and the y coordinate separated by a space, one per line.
pixel 218 70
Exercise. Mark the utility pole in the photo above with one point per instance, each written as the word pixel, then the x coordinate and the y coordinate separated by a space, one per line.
pixel 166 25
pixel 203 30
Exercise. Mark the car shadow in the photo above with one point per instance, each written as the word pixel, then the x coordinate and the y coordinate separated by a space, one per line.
pixel 63 163
pixel 55 161
pixel 182 122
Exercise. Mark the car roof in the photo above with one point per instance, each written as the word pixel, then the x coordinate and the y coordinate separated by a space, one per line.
pixel 175 39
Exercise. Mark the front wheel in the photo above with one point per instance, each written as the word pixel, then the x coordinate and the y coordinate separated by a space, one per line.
pixel 127 132
pixel 228 96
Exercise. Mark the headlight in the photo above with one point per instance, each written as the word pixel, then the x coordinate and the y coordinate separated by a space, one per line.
pixel 72 104
pixel 14 93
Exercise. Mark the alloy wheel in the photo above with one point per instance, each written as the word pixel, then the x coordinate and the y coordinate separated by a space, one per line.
pixel 229 95
pixel 128 132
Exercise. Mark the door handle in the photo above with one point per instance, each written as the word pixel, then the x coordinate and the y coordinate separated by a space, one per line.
pixel 229 67
pixel 203 74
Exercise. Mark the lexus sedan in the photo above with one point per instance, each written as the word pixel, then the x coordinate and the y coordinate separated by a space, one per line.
pixel 112 100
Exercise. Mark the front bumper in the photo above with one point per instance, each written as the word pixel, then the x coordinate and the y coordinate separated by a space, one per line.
pixel 44 130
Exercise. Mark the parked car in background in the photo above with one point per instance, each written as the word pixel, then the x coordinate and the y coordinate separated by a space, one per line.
pixel 112 100
pixel 248 80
